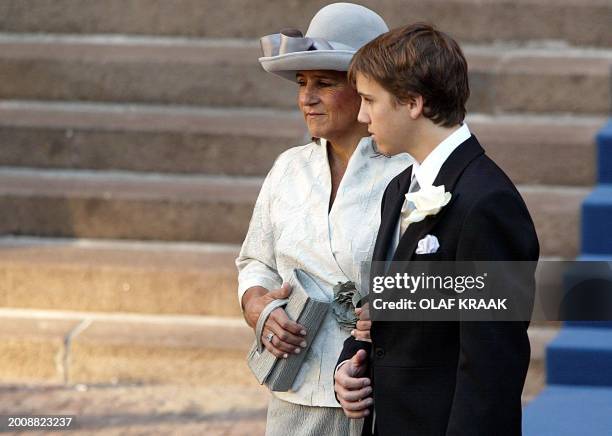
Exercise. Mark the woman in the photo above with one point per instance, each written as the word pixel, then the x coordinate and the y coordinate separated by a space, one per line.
pixel 318 210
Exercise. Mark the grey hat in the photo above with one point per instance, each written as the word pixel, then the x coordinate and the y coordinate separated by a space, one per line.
pixel 335 34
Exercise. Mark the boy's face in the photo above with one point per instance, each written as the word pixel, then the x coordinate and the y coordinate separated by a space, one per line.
pixel 390 123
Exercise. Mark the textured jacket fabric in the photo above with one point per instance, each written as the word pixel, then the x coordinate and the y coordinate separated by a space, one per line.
pixel 292 227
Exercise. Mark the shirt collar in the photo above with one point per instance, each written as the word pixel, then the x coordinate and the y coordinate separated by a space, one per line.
pixel 428 170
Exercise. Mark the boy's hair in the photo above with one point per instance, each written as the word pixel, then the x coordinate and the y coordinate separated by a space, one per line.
pixel 418 60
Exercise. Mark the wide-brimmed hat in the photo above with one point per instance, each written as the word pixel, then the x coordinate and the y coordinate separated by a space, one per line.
pixel 334 35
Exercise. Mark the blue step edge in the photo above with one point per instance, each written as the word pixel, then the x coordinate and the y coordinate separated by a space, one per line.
pixel 597 221
pixel 595 257
pixel 569 411
pixel 604 153
pixel 589 324
pixel 580 356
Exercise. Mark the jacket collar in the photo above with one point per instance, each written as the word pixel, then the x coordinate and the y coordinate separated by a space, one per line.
pixel 448 176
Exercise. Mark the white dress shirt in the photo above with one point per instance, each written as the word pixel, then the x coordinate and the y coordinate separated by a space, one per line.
pixel 292 228
pixel 427 171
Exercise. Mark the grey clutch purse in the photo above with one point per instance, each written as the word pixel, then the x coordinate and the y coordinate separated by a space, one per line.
pixel 307 305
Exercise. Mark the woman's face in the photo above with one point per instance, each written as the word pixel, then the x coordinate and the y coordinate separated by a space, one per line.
pixel 328 102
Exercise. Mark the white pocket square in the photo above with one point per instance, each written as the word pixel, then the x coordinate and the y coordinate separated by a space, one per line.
pixel 428 245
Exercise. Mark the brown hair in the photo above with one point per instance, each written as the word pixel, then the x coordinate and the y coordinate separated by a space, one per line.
pixel 418 60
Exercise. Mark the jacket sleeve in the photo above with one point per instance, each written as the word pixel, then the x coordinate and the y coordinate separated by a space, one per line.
pixel 494 356
pixel 350 348
pixel 256 262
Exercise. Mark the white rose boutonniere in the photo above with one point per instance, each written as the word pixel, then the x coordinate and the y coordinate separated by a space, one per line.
pixel 427 201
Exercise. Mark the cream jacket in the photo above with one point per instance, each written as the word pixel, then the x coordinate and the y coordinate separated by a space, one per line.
pixel 291 228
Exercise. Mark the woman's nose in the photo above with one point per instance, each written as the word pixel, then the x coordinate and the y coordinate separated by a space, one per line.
pixel 308 97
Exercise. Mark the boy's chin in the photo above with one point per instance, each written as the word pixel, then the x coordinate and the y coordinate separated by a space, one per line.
pixel 381 149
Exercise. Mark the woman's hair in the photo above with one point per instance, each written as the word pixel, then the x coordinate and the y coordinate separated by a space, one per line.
pixel 418 60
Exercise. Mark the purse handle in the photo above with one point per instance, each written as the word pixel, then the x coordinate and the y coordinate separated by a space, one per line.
pixel 263 317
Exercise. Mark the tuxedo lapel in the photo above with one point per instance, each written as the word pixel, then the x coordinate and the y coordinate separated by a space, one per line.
pixel 391 210
pixel 448 176
pixel 417 231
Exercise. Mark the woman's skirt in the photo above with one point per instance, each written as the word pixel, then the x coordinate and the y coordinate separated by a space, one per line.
pixel 289 419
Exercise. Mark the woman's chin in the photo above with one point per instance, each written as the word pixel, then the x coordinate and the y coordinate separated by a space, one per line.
pixel 317 132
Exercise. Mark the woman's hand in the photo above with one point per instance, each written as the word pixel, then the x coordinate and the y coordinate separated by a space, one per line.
pixel 362 329
pixel 286 335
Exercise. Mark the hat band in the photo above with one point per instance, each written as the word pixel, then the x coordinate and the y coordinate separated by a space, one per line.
pixel 280 44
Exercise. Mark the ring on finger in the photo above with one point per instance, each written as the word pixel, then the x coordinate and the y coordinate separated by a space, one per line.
pixel 269 336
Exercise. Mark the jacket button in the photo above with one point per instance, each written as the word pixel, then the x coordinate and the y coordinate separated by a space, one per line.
pixel 379 352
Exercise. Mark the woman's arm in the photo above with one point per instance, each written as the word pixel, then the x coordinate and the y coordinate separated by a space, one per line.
pixel 259 282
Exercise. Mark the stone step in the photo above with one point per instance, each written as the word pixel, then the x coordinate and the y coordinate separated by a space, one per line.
pixel 582 22
pixel 138 277
pixel 142 409
pixel 179 139
pixel 185 410
pixel 119 276
pixel 115 205
pixel 80 347
pixel 93 348
pixel 125 205
pixel 221 72
pixel 175 139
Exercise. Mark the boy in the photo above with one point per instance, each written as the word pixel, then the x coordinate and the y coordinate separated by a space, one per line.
pixel 432 378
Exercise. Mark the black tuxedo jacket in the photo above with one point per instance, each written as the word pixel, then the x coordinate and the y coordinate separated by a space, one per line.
pixel 453 378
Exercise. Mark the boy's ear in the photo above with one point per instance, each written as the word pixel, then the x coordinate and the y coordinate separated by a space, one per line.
pixel 414 105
